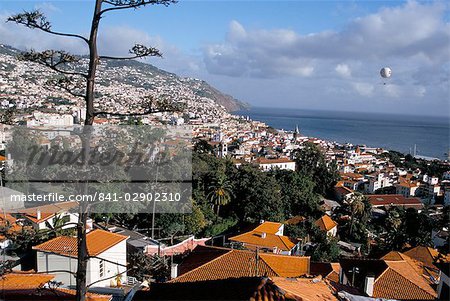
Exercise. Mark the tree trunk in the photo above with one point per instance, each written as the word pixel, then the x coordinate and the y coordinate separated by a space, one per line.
pixel 89 120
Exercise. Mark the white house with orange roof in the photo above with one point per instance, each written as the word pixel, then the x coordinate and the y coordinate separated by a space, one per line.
pixel 406 187
pixel 325 223
pixel 106 266
pixel 268 236
pixel 42 217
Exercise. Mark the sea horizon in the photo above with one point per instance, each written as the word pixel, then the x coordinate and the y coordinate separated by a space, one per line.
pixel 391 131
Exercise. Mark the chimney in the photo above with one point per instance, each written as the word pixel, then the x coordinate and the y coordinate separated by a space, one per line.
pixel 173 270
pixel 38 214
pixel 263 235
pixel 368 285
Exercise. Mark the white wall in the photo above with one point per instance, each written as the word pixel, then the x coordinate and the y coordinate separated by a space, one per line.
pixel 115 262
pixel 47 262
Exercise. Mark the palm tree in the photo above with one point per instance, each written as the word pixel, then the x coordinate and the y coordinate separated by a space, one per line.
pixel 357 208
pixel 220 191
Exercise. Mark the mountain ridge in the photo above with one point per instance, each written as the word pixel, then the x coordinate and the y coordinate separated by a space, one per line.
pixel 199 87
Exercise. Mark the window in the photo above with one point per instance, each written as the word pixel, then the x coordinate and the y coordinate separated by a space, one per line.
pixel 101 268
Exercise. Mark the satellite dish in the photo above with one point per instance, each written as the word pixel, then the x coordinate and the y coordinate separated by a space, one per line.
pixel 385 72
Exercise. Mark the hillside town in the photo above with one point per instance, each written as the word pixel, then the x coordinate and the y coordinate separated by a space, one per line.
pixel 375 229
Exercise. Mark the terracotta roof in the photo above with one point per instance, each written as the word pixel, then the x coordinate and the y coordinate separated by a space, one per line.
pixel 400 281
pixel 229 263
pixel 261 160
pixel 268 227
pixel 9 223
pixel 396 279
pixel 261 239
pixel 394 200
pixel 426 255
pixel 47 211
pixel 264 236
pixel 98 241
pixel 295 220
pixel 306 289
pixel 2 158
pixel 328 270
pixel 342 190
pixel 325 223
pixel 286 266
pixel 428 273
pixel 21 281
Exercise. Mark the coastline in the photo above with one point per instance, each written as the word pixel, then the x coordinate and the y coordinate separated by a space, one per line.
pixel 423 136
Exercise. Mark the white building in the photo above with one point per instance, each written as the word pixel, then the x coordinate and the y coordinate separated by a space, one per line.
pixel 106 266
pixel 278 163
pixel 42 216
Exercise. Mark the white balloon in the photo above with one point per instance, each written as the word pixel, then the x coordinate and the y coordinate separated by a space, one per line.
pixel 386 72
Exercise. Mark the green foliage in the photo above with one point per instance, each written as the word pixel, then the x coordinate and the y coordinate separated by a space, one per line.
pixel 402 227
pixel 311 163
pixel 359 209
pixel 219 226
pixel 259 196
pixel 297 192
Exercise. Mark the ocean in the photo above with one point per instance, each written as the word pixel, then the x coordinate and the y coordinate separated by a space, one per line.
pixel 389 131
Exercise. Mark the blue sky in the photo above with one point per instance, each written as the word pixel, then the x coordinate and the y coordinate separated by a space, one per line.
pixel 299 54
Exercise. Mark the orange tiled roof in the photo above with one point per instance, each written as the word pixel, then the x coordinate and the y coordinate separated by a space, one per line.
pixel 295 220
pixel 426 255
pixel 2 158
pixel 231 263
pixel 418 266
pixel 400 281
pixel 9 224
pixel 325 223
pixel 98 241
pixel 285 265
pixel 21 281
pixel 267 240
pixel 268 227
pixel 305 289
pixel 264 236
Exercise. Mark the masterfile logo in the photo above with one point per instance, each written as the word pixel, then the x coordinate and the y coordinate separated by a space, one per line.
pixel 114 168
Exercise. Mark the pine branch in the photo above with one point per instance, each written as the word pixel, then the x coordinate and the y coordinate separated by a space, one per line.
pixel 139 51
pixel 126 4
pixel 65 83
pixel 37 20
pixel 52 59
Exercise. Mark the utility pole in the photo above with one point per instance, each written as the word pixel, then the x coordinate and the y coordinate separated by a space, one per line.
pixel 257 262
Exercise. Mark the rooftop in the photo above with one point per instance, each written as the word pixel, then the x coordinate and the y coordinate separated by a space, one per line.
pixel 98 241
pixel 212 263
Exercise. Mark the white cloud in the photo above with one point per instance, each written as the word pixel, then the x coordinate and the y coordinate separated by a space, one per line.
pixel 343 70
pixel 385 36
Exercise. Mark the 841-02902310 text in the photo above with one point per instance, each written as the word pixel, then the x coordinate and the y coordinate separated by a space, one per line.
pixel 101 197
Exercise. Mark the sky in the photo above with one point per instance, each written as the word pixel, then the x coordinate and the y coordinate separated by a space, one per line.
pixel 323 55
